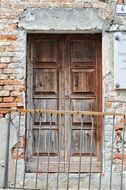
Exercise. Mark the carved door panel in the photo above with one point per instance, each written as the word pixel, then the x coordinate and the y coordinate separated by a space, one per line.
pixel 83 87
pixel 63 74
pixel 46 91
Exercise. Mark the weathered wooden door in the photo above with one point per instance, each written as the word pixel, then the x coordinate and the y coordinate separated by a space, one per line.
pixel 64 73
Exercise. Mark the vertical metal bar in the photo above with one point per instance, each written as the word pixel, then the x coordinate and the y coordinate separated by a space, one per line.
pixel 68 172
pixel 50 136
pixel 18 136
pixel 5 177
pixel 38 150
pixel 81 145
pixel 60 129
pixel 123 141
pixel 27 129
pixel 91 144
pixel 112 152
pixel 102 152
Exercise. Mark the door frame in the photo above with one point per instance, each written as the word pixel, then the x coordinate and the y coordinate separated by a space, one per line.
pixel 99 99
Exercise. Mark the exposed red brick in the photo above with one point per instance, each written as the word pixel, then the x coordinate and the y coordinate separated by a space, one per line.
pixel 119 156
pixel 2 48
pixel 118 127
pixel 120 2
pixel 8 37
pixel 22 89
pixel 9 48
pixel 3 66
pixel 108 104
pixel 8 99
pixel 10 82
pixel 8 105
pixel 3 112
pixel 11 26
pixel 122 121
pixel 20 145
pixel 19 100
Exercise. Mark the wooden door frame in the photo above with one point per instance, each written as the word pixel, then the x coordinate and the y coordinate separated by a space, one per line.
pixel 98 62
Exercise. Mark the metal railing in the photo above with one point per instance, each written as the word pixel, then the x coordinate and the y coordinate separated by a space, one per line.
pixel 100 166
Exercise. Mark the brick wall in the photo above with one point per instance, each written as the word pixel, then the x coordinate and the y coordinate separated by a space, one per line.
pixel 12 62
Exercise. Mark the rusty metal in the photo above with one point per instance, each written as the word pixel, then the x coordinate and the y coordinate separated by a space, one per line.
pixel 61 114
pixel 5 177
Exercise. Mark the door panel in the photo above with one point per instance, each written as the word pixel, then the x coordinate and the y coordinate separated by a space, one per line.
pixel 64 73
pixel 44 142
pixel 45 81
pixel 82 50
pixel 82 83
pixel 45 62
pixel 46 51
pixel 86 139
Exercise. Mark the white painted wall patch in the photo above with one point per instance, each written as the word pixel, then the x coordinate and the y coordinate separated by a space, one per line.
pixel 120 60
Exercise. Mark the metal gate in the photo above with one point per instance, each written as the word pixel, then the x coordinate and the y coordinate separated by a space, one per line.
pixel 107 171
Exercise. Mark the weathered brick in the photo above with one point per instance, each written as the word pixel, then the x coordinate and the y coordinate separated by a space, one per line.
pixel 4 93
pixel 1 71
pixel 3 76
pixel 8 105
pixel 108 104
pixel 20 146
pixel 8 99
pixel 19 100
pixel 5 59
pixel 8 87
pixel 16 94
pixel 2 48
pixel 20 105
pixel 119 156
pixel 87 5
pixel 4 43
pixel 7 48
pixel 120 1
pixel 1 99
pixel 10 82
pixel 13 76
pixel 3 66
pixel 8 37
pixel 20 88
pixel 11 26
pixel 8 70
pixel 99 5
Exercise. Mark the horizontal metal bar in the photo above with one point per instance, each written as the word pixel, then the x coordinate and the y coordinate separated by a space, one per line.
pixel 64 112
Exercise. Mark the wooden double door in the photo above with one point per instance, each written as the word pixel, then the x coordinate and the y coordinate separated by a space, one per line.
pixel 64 73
